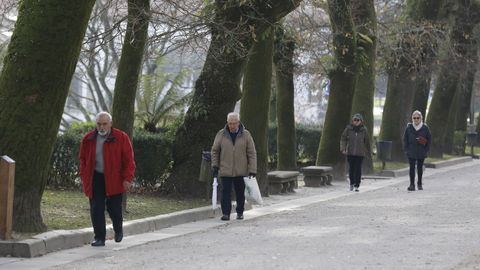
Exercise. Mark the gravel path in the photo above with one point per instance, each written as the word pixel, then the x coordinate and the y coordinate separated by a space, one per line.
pixel 384 228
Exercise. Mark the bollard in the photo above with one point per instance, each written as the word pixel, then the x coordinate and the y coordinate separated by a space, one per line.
pixel 7 176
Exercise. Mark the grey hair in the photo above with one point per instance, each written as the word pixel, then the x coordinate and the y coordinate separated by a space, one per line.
pixel 102 114
pixel 233 115
pixel 417 112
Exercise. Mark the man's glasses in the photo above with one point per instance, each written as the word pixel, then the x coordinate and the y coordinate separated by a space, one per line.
pixel 356 120
pixel 416 117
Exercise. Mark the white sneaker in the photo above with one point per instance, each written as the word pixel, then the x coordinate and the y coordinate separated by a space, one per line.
pixel 356 189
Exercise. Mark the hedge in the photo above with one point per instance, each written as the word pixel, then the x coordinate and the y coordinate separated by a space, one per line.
pixel 152 151
pixel 308 140
pixel 153 154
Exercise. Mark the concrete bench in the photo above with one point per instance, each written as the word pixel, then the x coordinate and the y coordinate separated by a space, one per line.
pixel 282 181
pixel 316 176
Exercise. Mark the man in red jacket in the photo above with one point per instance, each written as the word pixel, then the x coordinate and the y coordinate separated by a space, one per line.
pixel 107 168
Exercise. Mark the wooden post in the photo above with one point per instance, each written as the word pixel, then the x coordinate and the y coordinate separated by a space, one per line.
pixel 7 179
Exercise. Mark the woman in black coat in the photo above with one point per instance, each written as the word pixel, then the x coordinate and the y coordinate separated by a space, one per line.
pixel 355 143
pixel 416 144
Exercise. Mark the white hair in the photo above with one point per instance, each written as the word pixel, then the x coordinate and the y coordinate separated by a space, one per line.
pixel 104 114
pixel 417 113
pixel 233 115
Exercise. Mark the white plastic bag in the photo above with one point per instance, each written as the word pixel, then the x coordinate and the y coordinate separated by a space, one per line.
pixel 252 192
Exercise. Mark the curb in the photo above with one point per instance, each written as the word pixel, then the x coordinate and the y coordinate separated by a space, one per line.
pixel 56 240
pixel 433 165
pixel 449 162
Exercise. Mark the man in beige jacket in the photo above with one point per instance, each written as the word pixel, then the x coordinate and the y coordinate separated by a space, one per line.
pixel 233 157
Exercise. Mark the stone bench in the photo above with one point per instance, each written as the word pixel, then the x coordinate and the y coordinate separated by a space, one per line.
pixel 282 181
pixel 315 176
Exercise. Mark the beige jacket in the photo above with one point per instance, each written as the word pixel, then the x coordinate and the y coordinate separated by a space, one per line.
pixel 234 160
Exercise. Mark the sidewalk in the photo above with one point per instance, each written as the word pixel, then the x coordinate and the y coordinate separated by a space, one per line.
pixel 164 226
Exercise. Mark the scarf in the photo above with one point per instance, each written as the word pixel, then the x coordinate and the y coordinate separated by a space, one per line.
pixel 417 127
pixel 357 128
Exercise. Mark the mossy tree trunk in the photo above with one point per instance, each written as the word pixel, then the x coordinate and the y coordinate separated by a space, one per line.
pixel 217 89
pixel 465 88
pixel 422 91
pixel 342 87
pixel 426 13
pixel 34 84
pixel 403 72
pixel 284 67
pixel 254 108
pixel 398 103
pixel 465 16
pixel 365 20
pixel 129 69
pixel 460 110
pixel 130 66
pixel 450 125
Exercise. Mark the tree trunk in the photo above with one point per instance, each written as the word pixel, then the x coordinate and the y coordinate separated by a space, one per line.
pixel 365 20
pixel 218 87
pixel 460 110
pixel 398 104
pixel 449 126
pixel 130 66
pixel 403 75
pixel 466 87
pixel 129 69
pixel 34 84
pixel 342 87
pixel 465 17
pixel 422 92
pixel 286 137
pixel 254 109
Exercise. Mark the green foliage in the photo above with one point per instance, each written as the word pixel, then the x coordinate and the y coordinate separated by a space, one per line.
pixel 153 156
pixel 459 142
pixel 160 99
pixel 308 140
pixel 64 162
pixel 152 151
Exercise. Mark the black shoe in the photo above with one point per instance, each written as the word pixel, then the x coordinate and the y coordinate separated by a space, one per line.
pixel 411 188
pixel 98 243
pixel 239 216
pixel 118 237
pixel 225 217
pixel 420 187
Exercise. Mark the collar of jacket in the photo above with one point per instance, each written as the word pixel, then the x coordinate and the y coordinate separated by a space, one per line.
pixel 240 130
pixel 111 136
pixel 350 126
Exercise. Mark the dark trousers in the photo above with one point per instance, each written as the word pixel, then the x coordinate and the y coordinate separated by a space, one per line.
pixel 419 163
pixel 355 170
pixel 226 201
pixel 97 208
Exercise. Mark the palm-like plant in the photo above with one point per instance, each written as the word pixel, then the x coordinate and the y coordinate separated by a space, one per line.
pixel 161 97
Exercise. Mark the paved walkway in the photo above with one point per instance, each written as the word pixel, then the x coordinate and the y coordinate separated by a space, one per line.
pixel 381 227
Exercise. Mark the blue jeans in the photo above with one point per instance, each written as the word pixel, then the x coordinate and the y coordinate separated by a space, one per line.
pixel 226 201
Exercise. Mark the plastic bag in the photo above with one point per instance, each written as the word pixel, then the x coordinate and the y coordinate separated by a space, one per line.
pixel 252 191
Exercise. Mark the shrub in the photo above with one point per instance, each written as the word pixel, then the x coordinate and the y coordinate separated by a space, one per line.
pixel 308 140
pixel 152 156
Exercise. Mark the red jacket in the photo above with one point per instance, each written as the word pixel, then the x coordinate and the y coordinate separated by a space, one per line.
pixel 119 164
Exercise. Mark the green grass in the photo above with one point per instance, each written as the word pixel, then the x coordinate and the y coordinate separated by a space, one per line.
pixel 70 209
